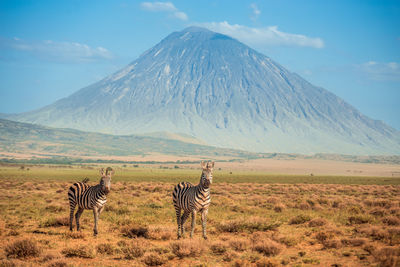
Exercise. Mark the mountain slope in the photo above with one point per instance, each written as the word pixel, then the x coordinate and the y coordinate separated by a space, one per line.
pixel 17 137
pixel 214 88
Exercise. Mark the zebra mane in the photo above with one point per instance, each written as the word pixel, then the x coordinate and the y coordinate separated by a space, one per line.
pixel 85 180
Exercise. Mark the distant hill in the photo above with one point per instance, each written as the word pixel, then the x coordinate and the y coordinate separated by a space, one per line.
pixel 24 138
pixel 216 89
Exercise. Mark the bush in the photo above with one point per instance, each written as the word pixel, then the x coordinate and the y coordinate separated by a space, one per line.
pixel 58 264
pixel 218 248
pixel 56 222
pixel 135 231
pixel 154 259
pixel 187 248
pixel 239 244
pixel 135 249
pixel 317 222
pixel 268 247
pixel 251 225
pixel 391 220
pixel 359 219
pixel 299 219
pixel 80 252
pixel 25 248
pixel 355 242
pixel 105 248
pixel 331 243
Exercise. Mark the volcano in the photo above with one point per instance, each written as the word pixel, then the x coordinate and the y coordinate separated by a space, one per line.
pixel 212 87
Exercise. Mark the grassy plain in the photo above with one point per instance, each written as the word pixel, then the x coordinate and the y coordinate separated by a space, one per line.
pixel 256 219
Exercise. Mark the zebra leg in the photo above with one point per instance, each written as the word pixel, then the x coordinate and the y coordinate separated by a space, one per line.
pixel 193 223
pixel 178 219
pixel 77 216
pixel 204 222
pixel 71 214
pixel 96 218
pixel 185 215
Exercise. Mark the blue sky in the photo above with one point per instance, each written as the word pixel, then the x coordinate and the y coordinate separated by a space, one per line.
pixel 50 49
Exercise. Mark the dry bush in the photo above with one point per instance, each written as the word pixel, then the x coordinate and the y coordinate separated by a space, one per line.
pixel 332 243
pixel 279 207
pixel 59 263
pixel 378 212
pixel 242 263
pixel 154 259
pixel 239 244
pixel 55 208
pixel 303 206
pixel 134 249
pixel 160 233
pixel 268 247
pixel 75 235
pixel 8 263
pixel 375 232
pixel 79 252
pixel 24 248
pixel 135 231
pixel 265 262
pixel 391 220
pixel 288 241
pixel 249 225
pixel 56 222
pixel 13 232
pixel 317 222
pixel 187 248
pixel 359 219
pixel 388 256
pixel 229 256
pixel 105 248
pixel 218 248
pixel 355 242
pixel 299 219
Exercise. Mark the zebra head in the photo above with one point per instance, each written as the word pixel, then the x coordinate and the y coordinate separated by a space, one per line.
pixel 105 181
pixel 206 175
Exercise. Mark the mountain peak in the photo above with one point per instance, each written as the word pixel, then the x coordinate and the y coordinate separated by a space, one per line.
pixel 214 88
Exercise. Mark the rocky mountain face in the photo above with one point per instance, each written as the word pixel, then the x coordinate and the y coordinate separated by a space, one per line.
pixel 207 85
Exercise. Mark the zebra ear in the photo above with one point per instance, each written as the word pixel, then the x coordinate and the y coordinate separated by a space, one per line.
pixel 212 164
pixel 101 171
pixel 203 165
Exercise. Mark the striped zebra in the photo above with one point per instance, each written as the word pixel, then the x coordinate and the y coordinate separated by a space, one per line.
pixel 89 197
pixel 192 199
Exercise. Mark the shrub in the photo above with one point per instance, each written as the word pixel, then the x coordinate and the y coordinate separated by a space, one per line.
pixel 355 242
pixel 154 259
pixel 135 249
pixel 359 219
pixel 317 222
pixel 268 247
pixel 7 263
pixel 105 248
pixel 391 220
pixel 56 222
pixel 332 243
pixel 24 248
pixel 250 225
pixel 160 233
pixel 299 219
pixel 135 231
pixel 187 248
pixel 218 248
pixel 388 256
pixel 58 264
pixel 80 252
pixel 264 262
pixel 239 244
pixel 279 208
pixel 75 235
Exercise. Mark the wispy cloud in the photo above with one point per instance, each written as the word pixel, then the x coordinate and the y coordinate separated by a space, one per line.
pixel 380 71
pixel 267 36
pixel 167 7
pixel 256 11
pixel 57 51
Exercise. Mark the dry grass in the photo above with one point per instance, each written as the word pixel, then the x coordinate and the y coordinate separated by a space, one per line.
pixel 24 248
pixel 249 224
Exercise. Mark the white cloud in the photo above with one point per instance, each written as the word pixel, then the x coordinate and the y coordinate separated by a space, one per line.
pixel 57 51
pixel 381 71
pixel 164 7
pixel 267 36
pixel 256 11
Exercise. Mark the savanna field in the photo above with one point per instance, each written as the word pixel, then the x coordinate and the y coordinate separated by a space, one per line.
pixel 255 219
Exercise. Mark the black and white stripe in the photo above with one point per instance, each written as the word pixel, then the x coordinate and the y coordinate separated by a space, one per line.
pixel 192 199
pixel 89 197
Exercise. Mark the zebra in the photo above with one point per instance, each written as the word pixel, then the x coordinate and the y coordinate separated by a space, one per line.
pixel 89 197
pixel 192 199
